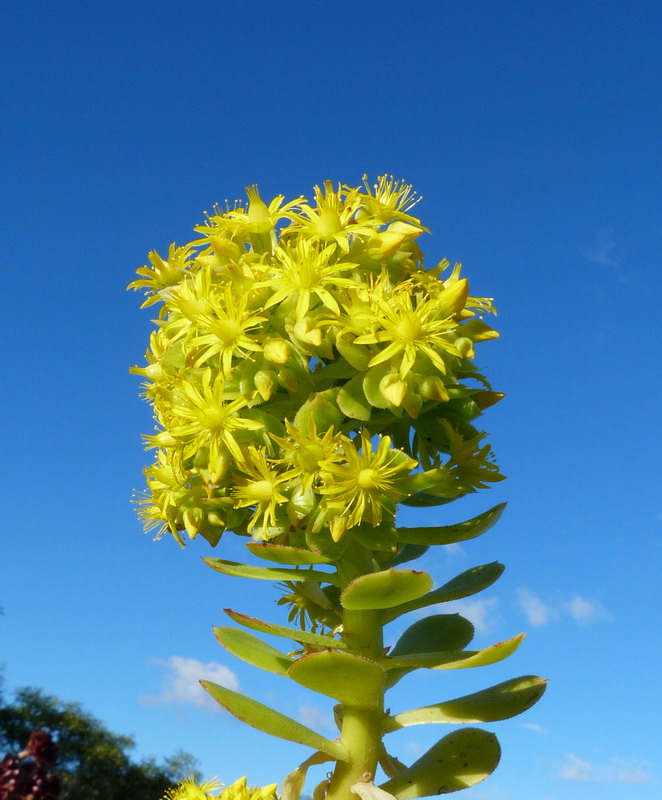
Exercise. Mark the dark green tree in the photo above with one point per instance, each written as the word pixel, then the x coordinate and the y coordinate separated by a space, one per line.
pixel 93 763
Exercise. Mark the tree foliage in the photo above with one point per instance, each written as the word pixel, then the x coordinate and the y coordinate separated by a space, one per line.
pixel 94 763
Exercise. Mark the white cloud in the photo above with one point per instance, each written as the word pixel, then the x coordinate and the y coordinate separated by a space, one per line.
pixel 631 772
pixel 315 717
pixel 181 683
pixel 583 610
pixel 533 726
pixel 577 770
pixel 537 612
pixel 479 612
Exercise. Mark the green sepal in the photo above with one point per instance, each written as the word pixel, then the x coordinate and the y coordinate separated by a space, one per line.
pixel 322 409
pixel 385 589
pixel 295 634
pixel 270 721
pixel 376 537
pixel 357 355
pixel 449 534
pixel 326 375
pixel 352 680
pixel 459 760
pixel 319 539
pixel 269 573
pixel 284 554
pixel 472 581
pixel 503 701
pixel 371 381
pixel 253 650
pixel 352 400
pixel 457 660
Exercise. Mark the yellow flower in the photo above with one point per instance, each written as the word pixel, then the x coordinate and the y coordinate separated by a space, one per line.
pixel 332 220
pixel 305 452
pixel 190 790
pixel 240 791
pixel 413 328
pixel 365 485
pixel 224 330
pixel 205 418
pixel 303 270
pixel 391 199
pixel 260 486
pixel 163 273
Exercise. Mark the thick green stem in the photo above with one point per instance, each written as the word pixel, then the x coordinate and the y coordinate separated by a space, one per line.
pixel 361 728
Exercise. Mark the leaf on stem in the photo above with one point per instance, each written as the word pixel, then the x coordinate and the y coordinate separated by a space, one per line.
pixel 352 680
pixel 284 554
pixel 254 651
pixel 503 701
pixel 457 660
pixel 386 589
pixel 270 721
pixel 460 760
pixel 269 573
pixel 296 634
pixel 472 581
pixel 449 534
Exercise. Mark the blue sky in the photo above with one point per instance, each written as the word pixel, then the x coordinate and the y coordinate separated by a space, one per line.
pixel 533 131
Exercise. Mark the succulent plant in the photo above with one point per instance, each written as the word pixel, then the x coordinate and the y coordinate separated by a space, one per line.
pixel 309 375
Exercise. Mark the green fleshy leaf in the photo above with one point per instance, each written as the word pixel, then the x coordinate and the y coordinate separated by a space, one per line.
pixel 283 554
pixel 460 760
pixel 439 633
pixel 425 500
pixel 457 660
pixel 253 650
pixel 352 400
pixel 449 534
pixel 503 701
pixel 270 721
pixel 410 552
pixel 295 634
pixel 472 581
pixel 386 589
pixel 425 481
pixel 350 679
pixel 268 573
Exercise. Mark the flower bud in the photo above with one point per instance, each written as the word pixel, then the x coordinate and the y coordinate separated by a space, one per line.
pixel 413 404
pixel 288 379
pixel 394 388
pixel 265 383
pixel 277 351
pixel 465 347
pixel 432 388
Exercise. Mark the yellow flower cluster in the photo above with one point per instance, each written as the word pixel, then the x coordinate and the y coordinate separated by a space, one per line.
pixel 305 367
pixel 190 790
